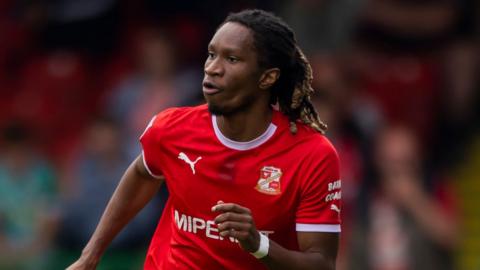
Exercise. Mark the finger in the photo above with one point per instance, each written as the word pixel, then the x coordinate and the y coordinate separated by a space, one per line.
pixel 239 235
pixel 231 216
pixel 238 226
pixel 214 208
pixel 230 207
pixel 234 229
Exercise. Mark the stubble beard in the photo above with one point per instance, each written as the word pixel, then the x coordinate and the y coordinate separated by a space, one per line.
pixel 216 110
pixel 221 110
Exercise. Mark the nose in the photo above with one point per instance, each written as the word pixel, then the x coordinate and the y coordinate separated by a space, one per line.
pixel 213 67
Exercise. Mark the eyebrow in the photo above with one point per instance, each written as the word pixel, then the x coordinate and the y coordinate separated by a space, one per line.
pixel 227 49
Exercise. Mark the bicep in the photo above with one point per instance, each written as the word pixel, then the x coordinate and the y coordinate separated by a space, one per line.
pixel 136 187
pixel 142 171
pixel 138 180
pixel 323 243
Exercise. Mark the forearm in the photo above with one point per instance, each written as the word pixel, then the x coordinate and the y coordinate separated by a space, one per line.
pixel 317 250
pixel 279 258
pixel 134 191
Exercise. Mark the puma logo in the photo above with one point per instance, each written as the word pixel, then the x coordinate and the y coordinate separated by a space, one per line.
pixel 184 157
pixel 334 207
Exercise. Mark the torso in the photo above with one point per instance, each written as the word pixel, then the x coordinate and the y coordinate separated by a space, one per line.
pixel 202 167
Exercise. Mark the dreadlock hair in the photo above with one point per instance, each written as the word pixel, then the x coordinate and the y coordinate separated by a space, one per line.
pixel 277 47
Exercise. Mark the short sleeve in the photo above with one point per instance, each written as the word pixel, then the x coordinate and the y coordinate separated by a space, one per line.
pixel 320 198
pixel 151 141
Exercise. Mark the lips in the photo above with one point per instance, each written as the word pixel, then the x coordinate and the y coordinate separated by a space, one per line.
pixel 210 88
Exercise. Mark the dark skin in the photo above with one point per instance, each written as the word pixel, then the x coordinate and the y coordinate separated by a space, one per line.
pixel 238 90
pixel 135 190
pixel 317 250
pixel 248 89
pixel 243 96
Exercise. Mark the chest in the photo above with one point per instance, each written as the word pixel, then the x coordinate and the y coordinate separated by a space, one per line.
pixel 264 180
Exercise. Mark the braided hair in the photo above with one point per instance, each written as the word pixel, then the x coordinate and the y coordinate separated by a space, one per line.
pixel 277 47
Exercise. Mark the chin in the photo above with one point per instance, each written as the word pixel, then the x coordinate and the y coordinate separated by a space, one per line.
pixel 217 110
pixel 228 108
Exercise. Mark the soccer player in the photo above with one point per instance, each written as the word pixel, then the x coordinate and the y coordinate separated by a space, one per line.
pixel 253 182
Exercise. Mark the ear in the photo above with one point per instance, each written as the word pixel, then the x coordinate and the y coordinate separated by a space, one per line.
pixel 269 77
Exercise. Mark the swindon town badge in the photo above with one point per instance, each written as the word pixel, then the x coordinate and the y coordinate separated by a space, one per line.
pixel 269 182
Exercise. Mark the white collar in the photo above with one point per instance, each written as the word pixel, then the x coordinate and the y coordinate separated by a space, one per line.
pixel 243 145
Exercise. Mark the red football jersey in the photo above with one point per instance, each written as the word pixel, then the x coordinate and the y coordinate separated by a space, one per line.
pixel 289 182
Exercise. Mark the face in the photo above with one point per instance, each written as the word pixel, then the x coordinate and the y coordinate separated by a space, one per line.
pixel 232 74
pixel 397 151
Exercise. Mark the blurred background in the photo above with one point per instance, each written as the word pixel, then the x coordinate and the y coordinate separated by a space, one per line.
pixel 397 82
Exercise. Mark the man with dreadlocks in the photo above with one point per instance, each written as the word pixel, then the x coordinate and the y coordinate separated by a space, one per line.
pixel 253 182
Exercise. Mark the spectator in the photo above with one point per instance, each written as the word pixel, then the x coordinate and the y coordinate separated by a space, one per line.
pixel 335 103
pixel 155 84
pixel 95 175
pixel 409 221
pixel 28 196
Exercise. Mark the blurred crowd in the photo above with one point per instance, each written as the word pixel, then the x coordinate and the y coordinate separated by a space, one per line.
pixel 397 83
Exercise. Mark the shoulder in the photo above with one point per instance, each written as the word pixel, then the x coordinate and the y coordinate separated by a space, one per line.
pixel 313 143
pixel 320 153
pixel 176 117
pixel 320 144
pixel 307 142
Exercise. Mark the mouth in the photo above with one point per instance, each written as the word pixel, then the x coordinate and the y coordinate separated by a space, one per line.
pixel 210 88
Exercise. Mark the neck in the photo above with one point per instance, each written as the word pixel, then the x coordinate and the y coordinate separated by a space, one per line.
pixel 246 125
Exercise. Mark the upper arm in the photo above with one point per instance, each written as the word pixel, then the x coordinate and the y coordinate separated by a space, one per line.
pixel 137 180
pixel 318 214
pixel 319 204
pixel 325 244
pixel 152 139
pixel 141 169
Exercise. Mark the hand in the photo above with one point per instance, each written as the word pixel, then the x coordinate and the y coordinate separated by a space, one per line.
pixel 404 190
pixel 236 221
pixel 82 264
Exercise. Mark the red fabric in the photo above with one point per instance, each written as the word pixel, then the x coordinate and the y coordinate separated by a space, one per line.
pixel 306 166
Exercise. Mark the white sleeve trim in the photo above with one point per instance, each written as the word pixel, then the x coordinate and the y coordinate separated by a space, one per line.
pixel 148 169
pixel 148 126
pixel 302 227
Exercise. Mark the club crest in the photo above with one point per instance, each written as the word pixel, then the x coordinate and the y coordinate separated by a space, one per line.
pixel 269 182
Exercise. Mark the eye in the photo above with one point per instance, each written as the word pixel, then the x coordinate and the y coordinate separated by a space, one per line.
pixel 210 55
pixel 232 59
